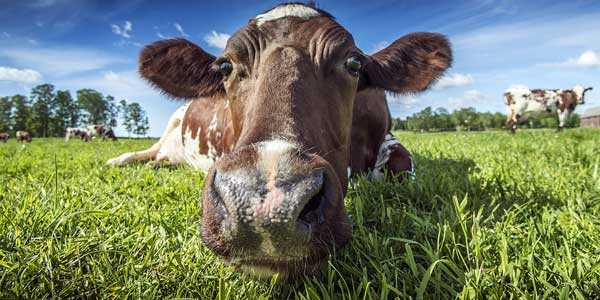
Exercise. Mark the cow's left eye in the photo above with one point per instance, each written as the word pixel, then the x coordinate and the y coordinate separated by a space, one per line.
pixel 353 64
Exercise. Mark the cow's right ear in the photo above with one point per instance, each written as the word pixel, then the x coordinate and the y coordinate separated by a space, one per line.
pixel 180 69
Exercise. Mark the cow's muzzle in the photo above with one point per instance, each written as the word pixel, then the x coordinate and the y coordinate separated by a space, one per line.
pixel 267 206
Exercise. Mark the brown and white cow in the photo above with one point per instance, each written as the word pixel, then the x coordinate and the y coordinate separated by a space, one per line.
pixel 82 133
pixel 22 135
pixel 520 99
pixel 102 131
pixel 4 137
pixel 278 121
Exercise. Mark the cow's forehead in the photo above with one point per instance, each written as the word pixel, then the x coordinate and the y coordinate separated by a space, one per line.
pixel 300 25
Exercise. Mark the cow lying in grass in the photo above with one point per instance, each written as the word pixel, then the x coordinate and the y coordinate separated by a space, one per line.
pixel 82 133
pixel 278 121
pixel 519 100
pixel 4 137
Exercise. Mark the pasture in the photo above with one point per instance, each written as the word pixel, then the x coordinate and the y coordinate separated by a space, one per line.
pixel 489 216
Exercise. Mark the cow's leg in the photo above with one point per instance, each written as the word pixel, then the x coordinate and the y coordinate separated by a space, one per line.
pixel 562 118
pixel 172 130
pixel 512 120
pixel 393 157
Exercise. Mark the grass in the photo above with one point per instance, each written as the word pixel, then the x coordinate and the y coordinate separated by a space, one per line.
pixel 490 216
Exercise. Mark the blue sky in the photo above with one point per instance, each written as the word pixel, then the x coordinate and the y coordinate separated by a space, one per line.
pixel 94 44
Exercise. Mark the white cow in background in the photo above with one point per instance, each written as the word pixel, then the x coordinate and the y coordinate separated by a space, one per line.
pixel 521 99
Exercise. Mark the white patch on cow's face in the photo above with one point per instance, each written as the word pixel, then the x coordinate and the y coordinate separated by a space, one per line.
pixel 578 90
pixel 191 150
pixel 271 153
pixel 287 10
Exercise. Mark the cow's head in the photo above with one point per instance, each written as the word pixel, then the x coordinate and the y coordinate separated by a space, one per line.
pixel 275 202
pixel 580 91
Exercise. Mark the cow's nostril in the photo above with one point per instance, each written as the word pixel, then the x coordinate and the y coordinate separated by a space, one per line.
pixel 312 213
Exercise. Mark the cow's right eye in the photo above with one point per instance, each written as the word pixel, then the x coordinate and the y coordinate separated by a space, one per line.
pixel 225 68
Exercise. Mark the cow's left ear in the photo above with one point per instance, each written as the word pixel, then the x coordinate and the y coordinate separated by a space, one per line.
pixel 180 69
pixel 588 89
pixel 410 64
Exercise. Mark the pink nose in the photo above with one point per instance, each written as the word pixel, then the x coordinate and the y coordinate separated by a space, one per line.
pixel 283 207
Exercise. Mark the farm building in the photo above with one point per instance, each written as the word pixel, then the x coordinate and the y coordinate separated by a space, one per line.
pixel 591 117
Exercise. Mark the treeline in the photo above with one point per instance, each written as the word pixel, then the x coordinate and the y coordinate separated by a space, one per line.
pixel 441 119
pixel 47 112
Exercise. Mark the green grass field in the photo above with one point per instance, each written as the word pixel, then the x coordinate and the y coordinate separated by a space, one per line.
pixel 490 216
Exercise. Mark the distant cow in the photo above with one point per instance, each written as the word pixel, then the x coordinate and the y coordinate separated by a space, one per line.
pixel 102 131
pixel 519 100
pixel 82 133
pixel 23 136
pixel 278 121
pixel 4 137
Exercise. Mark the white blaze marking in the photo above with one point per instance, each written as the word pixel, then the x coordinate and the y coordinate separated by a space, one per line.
pixel 287 10
pixel 271 153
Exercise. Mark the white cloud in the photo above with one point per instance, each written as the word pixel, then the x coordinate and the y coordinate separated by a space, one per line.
pixel 122 31
pixel 180 30
pixel 587 59
pixel 60 61
pixel 217 39
pixel 160 35
pixel 454 80
pixel 469 99
pixel 24 75
pixel 5 35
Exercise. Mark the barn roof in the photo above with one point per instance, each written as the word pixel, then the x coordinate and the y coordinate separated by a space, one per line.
pixel 591 112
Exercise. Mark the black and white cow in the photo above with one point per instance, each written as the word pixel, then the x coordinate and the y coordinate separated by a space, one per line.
pixel 82 133
pixel 102 131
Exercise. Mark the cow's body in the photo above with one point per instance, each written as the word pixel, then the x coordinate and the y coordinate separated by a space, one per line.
pixel 201 131
pixel 4 137
pixel 23 136
pixel 278 121
pixel 82 133
pixel 102 131
pixel 519 100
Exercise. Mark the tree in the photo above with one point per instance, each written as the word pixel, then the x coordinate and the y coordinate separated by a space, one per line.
pixel 93 105
pixel 21 112
pixel 112 113
pixel 142 127
pixel 66 113
pixel 5 114
pixel 136 121
pixel 41 113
